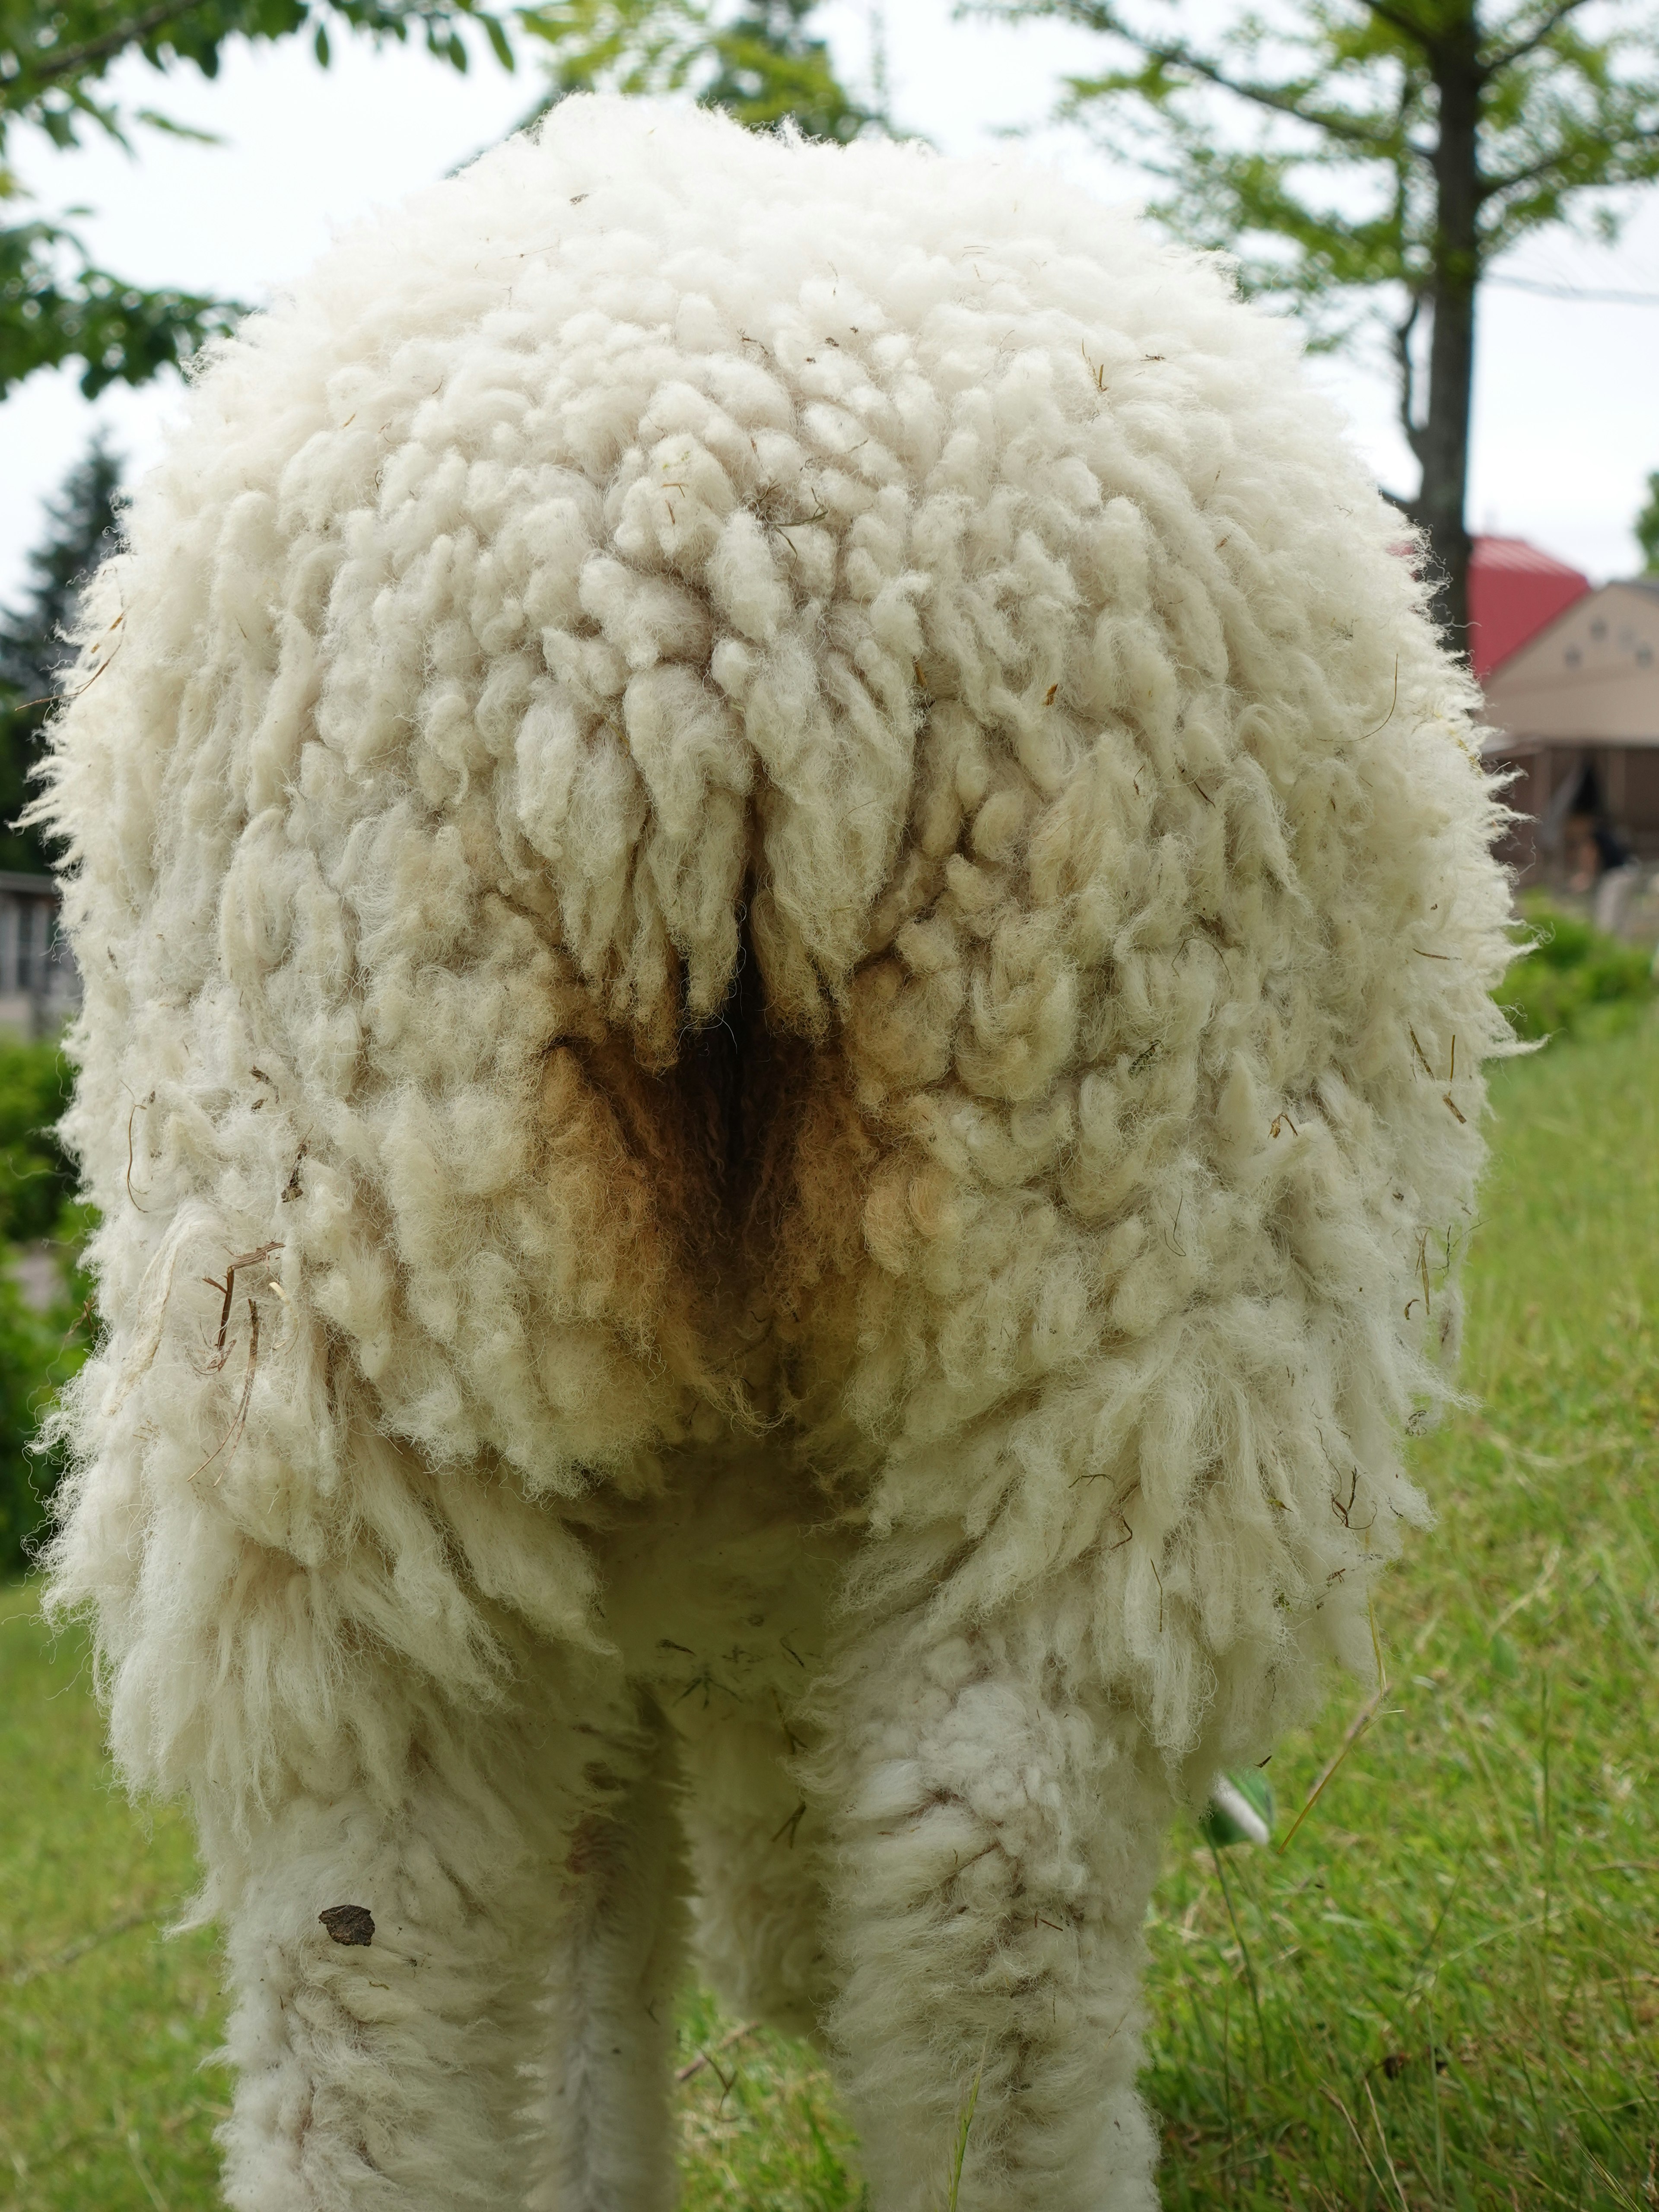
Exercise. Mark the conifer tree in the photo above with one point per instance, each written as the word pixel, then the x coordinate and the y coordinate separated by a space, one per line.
pixel 80 527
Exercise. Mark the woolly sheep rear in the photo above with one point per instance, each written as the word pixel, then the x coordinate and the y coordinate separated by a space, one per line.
pixel 778 877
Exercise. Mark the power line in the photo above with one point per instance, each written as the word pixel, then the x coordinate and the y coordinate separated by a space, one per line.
pixel 1576 292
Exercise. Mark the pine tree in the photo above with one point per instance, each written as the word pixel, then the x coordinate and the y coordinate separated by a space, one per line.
pixel 81 528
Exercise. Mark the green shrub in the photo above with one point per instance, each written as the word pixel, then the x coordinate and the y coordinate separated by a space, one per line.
pixel 1572 980
pixel 36 1180
pixel 39 1350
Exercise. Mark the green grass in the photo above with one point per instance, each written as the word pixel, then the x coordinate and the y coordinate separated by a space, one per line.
pixel 102 2022
pixel 1444 1994
pixel 1446 1991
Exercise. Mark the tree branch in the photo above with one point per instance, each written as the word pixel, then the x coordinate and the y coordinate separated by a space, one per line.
pixel 1490 187
pixel 131 33
pixel 1403 333
pixel 1403 24
pixel 1263 95
pixel 1507 57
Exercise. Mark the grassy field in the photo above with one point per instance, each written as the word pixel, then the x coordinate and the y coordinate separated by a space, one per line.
pixel 1445 1993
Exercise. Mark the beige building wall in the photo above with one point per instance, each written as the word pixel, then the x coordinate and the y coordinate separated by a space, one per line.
pixel 40 987
pixel 1582 694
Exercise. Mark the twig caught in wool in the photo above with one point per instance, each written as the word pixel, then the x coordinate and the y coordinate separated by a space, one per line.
pixel 221 1351
pixel 232 1435
pixel 54 698
pixel 1393 703
pixel 963 2125
pixel 138 1107
pixel 74 1326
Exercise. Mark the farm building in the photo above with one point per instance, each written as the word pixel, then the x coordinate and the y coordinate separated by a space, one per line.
pixel 1575 711
pixel 40 987
pixel 1514 591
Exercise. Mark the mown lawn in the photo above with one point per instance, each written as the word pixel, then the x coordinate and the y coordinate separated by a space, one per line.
pixel 1445 1993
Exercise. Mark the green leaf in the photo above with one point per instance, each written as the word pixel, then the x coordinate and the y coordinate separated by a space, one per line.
pixel 498 40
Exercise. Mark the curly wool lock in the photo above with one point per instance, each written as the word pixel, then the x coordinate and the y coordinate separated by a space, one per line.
pixel 777 874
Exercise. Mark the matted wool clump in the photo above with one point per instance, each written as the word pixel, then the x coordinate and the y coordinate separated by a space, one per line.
pixel 787 919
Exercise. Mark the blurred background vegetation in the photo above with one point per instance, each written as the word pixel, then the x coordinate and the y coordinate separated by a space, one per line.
pixel 1573 981
pixel 43 1329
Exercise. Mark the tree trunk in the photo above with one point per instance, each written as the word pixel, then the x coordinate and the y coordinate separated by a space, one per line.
pixel 1443 443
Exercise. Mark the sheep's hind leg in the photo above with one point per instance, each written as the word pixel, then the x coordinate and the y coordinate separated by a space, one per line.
pixel 999 1839
pixel 382 1913
pixel 387 1927
pixel 602 2103
pixel 757 1857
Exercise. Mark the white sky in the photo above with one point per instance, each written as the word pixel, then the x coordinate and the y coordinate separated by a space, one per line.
pixel 1567 410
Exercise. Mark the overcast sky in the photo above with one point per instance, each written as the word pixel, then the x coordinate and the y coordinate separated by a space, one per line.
pixel 1567 410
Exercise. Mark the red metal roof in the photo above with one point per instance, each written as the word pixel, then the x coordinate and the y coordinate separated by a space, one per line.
pixel 1514 591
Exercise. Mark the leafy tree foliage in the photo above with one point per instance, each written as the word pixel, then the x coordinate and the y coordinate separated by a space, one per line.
pixel 56 61
pixel 761 66
pixel 1647 528
pixel 57 305
pixel 81 526
pixel 1404 144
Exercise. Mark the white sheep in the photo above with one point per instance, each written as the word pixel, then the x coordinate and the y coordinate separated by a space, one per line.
pixel 776 873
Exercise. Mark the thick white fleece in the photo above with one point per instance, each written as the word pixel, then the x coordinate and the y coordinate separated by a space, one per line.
pixel 776 845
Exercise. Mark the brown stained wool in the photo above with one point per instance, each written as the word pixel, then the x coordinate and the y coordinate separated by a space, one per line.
pixel 779 827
